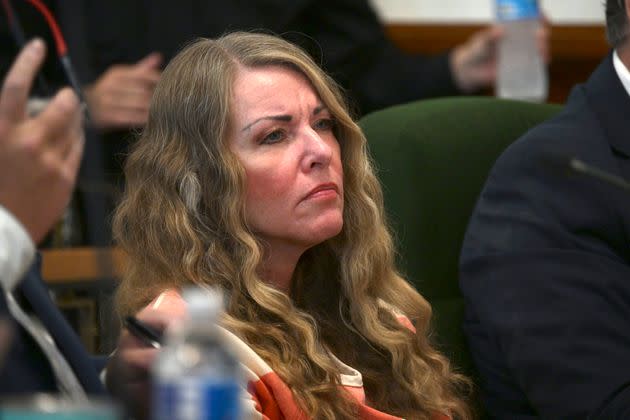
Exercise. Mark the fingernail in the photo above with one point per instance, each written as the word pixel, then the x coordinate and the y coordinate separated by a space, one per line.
pixel 36 45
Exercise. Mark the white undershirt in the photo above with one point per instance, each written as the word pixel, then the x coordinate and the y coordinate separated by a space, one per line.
pixel 622 72
pixel 17 250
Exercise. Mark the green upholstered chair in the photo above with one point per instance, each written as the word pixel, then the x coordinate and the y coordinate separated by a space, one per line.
pixel 432 158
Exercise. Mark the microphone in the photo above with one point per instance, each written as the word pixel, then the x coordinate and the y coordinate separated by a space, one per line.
pixel 578 166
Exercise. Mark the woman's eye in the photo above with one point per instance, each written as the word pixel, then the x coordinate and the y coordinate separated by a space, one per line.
pixel 273 137
pixel 324 124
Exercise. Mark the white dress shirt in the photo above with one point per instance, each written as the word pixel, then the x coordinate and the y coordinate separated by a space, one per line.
pixel 17 250
pixel 622 71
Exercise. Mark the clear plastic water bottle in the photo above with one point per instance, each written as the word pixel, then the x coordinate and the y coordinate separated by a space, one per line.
pixel 194 375
pixel 522 73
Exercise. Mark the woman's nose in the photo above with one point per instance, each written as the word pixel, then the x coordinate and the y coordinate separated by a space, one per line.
pixel 317 150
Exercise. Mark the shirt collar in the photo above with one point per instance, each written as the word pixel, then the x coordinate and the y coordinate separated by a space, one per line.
pixel 622 72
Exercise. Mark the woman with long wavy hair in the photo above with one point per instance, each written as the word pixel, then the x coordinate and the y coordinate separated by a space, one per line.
pixel 250 176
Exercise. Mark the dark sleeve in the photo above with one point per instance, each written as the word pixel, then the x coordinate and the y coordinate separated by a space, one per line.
pixel 545 275
pixel 351 42
pixel 348 40
pixel 345 36
pixel 24 368
pixel 99 363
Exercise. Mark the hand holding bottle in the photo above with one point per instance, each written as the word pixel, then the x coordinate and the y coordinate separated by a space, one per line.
pixel 474 64
pixel 521 68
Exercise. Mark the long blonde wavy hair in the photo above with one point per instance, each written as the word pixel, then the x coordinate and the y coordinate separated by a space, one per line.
pixel 182 221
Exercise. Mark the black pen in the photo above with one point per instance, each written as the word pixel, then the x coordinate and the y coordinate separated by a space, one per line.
pixel 144 332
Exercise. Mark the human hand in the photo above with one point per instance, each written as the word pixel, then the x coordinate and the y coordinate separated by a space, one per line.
pixel 474 63
pixel 128 370
pixel 120 97
pixel 39 156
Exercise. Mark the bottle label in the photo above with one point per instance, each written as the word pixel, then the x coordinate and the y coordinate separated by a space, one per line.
pixel 194 398
pixel 508 10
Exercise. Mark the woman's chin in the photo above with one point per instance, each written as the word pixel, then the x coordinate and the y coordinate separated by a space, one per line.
pixel 325 231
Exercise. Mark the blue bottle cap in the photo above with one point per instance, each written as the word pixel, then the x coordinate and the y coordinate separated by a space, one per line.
pixel 509 10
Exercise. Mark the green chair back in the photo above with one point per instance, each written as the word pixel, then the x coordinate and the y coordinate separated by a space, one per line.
pixel 432 158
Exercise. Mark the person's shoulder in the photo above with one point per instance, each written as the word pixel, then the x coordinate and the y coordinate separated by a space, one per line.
pixel 573 132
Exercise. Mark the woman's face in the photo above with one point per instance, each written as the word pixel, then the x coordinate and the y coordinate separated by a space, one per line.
pixel 283 136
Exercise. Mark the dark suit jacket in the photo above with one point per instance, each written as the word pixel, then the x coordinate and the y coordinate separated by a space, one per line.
pixel 25 368
pixel 545 266
pixel 344 35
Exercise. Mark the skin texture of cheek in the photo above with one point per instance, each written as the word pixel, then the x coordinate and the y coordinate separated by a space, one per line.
pixel 275 208
pixel 265 194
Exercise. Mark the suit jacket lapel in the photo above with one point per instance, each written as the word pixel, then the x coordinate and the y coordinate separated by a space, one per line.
pixel 36 293
pixel 611 104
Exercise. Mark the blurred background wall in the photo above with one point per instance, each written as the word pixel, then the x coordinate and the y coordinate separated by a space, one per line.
pixel 481 11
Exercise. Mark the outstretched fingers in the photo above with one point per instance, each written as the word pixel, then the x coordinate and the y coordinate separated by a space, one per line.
pixel 17 84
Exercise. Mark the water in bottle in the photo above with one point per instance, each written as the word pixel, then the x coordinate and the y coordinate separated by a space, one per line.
pixel 521 72
pixel 194 376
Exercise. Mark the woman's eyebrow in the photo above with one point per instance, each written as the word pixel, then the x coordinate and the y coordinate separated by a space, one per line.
pixel 319 108
pixel 284 118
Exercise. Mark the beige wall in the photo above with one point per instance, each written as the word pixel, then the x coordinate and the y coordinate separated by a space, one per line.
pixel 569 12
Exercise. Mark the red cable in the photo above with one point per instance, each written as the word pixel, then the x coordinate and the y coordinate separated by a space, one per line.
pixel 60 43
